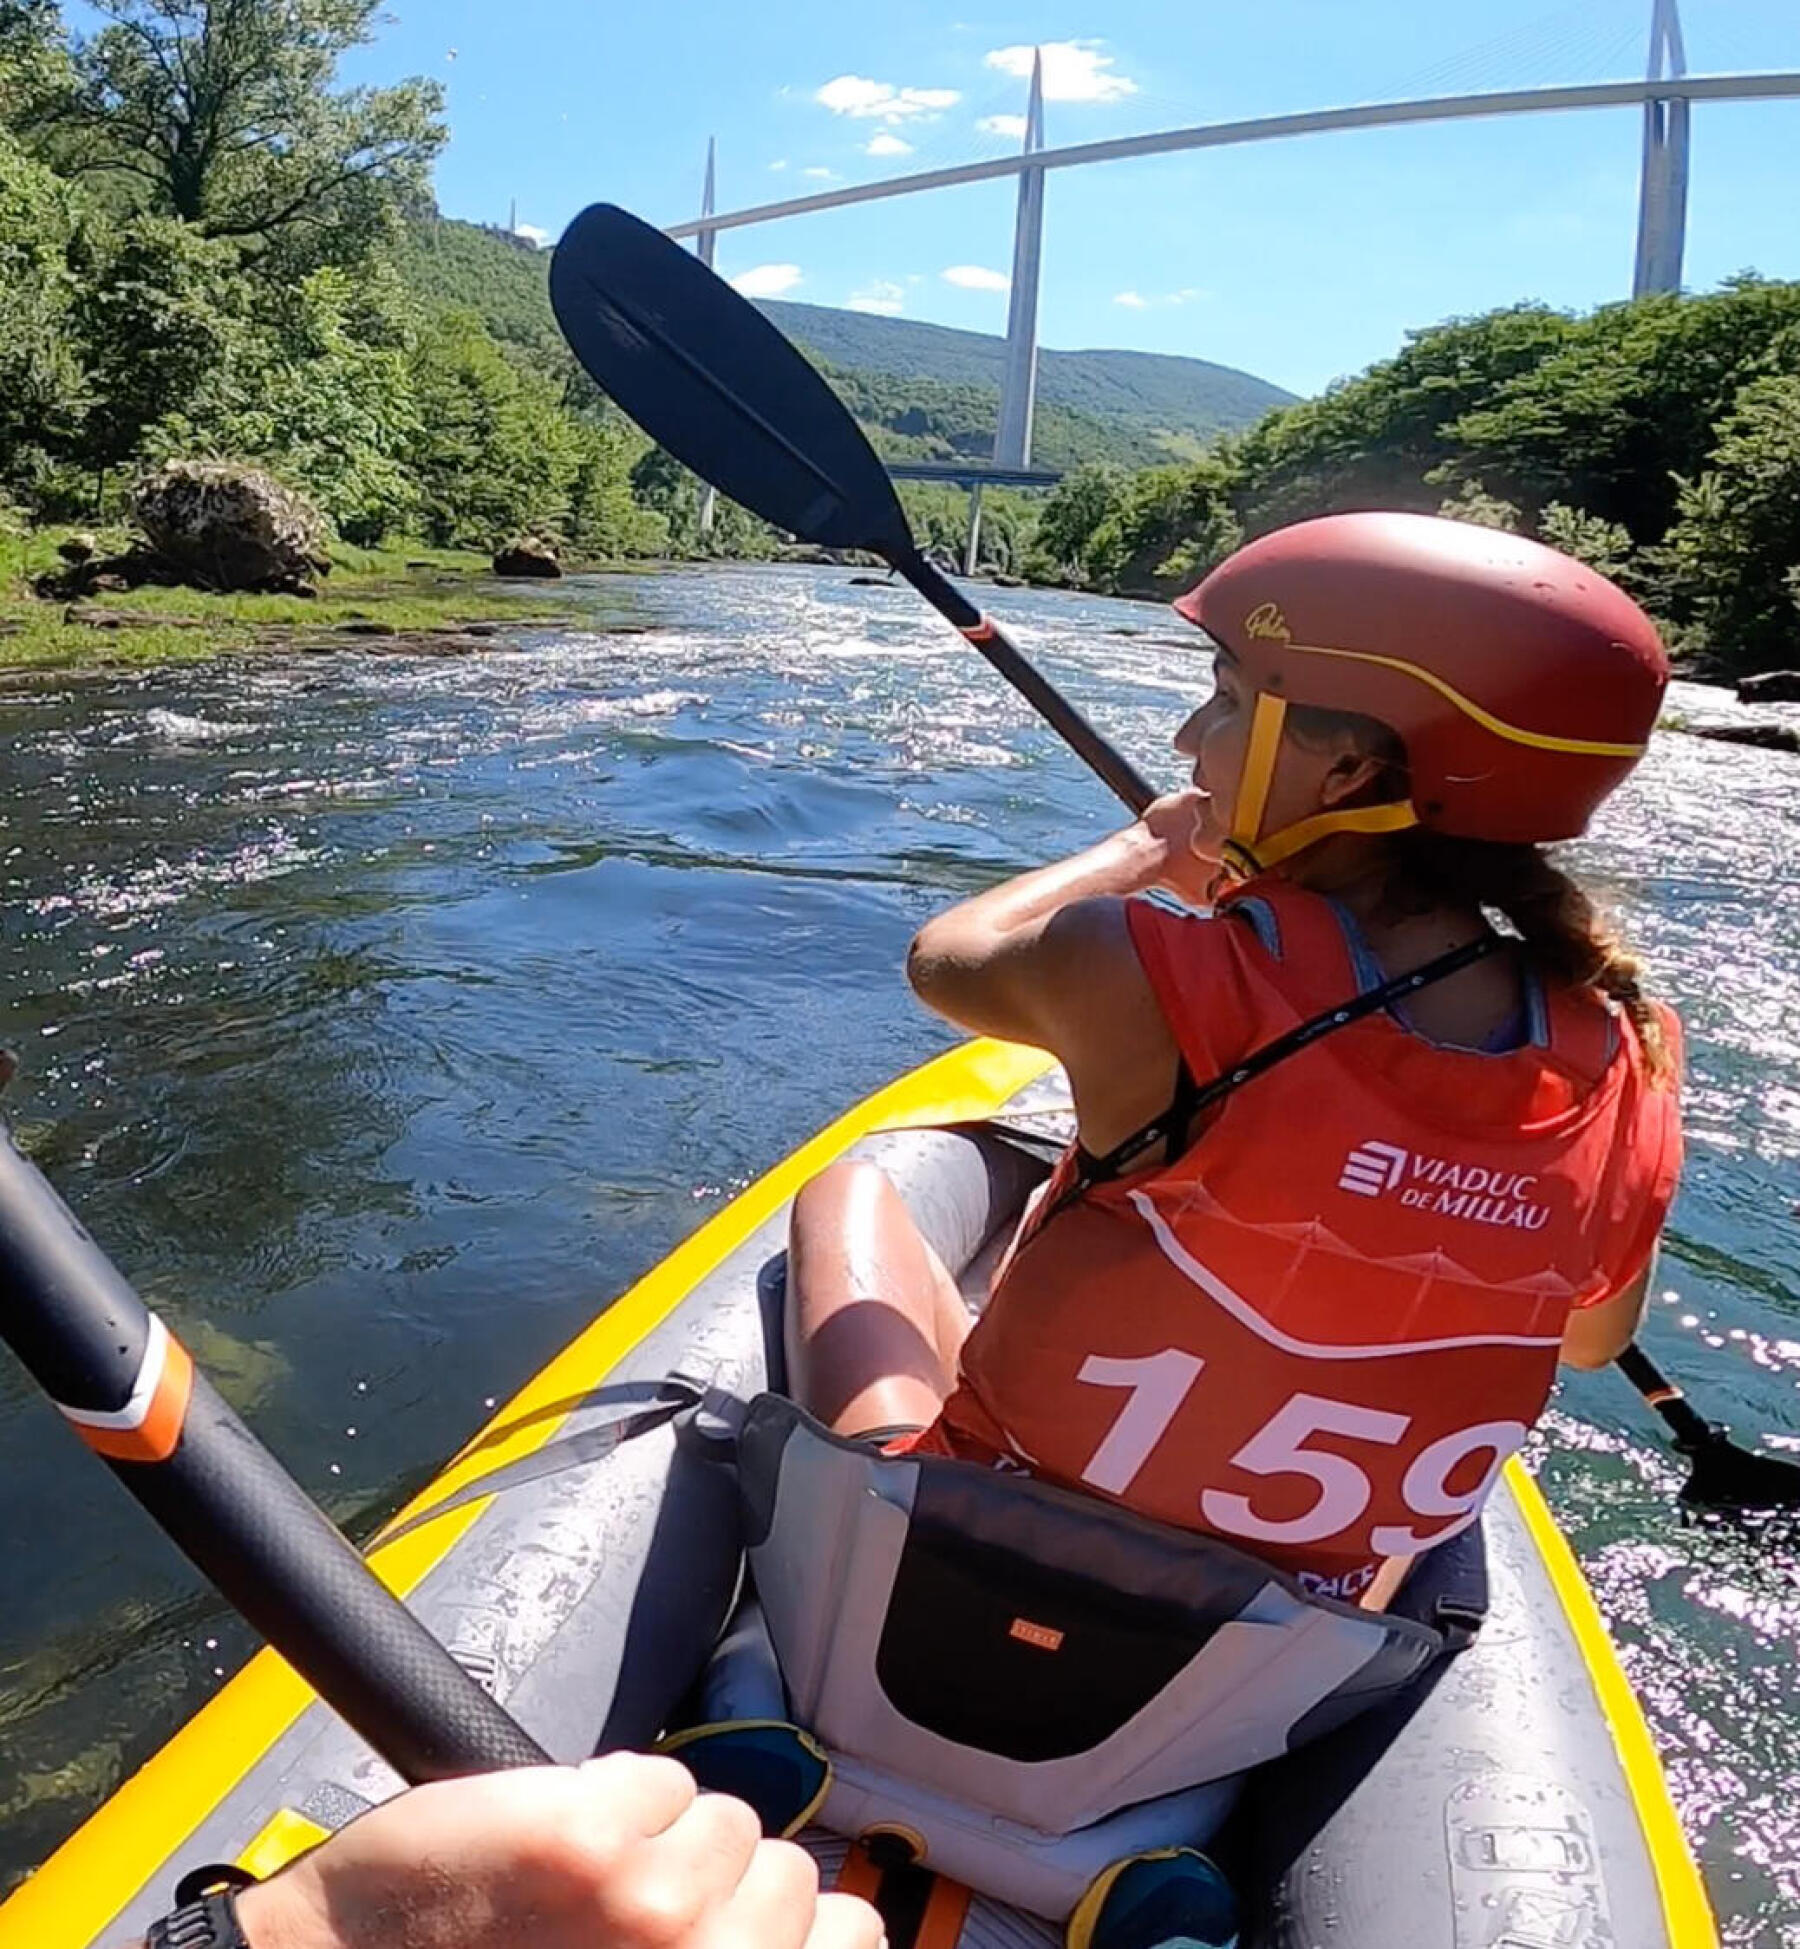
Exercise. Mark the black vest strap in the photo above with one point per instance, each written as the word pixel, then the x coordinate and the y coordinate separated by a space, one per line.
pixel 1190 1098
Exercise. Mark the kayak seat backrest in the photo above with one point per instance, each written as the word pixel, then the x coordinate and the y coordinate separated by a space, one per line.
pixel 1037 1655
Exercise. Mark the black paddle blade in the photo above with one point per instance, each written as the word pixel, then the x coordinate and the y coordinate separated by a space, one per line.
pixel 1728 1479
pixel 706 375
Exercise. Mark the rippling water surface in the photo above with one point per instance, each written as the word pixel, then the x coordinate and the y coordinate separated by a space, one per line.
pixel 383 1016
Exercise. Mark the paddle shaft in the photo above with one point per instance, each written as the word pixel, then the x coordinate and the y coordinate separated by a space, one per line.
pixel 984 634
pixel 131 1392
pixel 1666 1398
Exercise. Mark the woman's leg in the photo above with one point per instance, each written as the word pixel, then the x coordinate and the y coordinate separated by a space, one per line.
pixel 874 1319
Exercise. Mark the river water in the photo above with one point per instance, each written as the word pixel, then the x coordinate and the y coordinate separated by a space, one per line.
pixel 383 1016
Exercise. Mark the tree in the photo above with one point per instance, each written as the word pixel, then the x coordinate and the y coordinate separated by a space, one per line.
pixel 495 454
pixel 42 386
pixel 1076 507
pixel 1381 440
pixel 1603 545
pixel 222 113
pixel 316 382
pixel 1170 526
pixel 1628 402
pixel 1732 553
pixel 156 307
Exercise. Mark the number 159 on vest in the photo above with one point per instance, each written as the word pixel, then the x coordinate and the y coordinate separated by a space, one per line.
pixel 1158 1384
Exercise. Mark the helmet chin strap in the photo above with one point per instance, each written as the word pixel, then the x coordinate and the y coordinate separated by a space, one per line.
pixel 1248 852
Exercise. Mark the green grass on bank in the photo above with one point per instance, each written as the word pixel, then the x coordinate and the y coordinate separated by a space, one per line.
pixel 406 589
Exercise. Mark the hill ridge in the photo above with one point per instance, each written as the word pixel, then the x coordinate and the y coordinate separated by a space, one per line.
pixel 1174 391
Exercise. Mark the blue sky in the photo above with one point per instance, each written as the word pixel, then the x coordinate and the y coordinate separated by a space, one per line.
pixel 1298 260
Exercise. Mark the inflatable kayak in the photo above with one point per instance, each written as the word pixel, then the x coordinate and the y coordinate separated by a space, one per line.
pixel 582 1557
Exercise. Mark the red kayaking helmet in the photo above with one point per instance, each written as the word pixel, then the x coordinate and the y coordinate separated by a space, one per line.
pixel 1523 683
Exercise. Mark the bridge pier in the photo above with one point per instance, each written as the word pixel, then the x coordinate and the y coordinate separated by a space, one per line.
pixel 1018 384
pixel 703 249
pixel 1662 196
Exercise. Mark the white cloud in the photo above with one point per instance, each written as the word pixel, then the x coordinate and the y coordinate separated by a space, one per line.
pixel 882 297
pixel 780 162
pixel 857 95
pixel 883 143
pixel 1136 301
pixel 767 281
pixel 820 175
pixel 532 234
pixel 1074 71
pixel 976 277
pixel 1010 126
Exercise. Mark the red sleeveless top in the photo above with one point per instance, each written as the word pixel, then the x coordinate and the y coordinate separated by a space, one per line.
pixel 1320 1331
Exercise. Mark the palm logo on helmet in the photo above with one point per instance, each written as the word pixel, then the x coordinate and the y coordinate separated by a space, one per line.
pixel 1523 684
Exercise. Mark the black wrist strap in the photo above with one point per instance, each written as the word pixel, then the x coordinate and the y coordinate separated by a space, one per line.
pixel 205 1913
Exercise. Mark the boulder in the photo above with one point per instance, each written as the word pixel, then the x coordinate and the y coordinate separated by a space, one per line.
pixel 529 555
pixel 218 524
pixel 1772 687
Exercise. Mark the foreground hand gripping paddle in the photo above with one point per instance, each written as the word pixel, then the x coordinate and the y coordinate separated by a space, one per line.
pixel 706 375
pixel 128 1388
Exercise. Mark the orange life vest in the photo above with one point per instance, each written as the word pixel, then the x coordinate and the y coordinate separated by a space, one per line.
pixel 1321 1329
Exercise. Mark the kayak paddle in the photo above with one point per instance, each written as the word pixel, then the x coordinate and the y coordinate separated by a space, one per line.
pixel 706 375
pixel 131 1391
pixel 1723 1477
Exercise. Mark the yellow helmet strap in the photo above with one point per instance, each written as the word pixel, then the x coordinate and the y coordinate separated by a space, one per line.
pixel 1247 852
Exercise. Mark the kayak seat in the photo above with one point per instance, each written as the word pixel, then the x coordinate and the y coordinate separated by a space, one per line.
pixel 1030 1682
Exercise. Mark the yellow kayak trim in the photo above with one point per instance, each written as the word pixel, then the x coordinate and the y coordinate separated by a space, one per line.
pixel 76 1895
pixel 1685 1908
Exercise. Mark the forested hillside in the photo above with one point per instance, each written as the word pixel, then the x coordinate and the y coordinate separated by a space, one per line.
pixel 1658 440
pixel 1148 391
pixel 923 392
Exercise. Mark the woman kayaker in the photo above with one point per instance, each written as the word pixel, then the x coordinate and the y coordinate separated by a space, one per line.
pixel 1315 1318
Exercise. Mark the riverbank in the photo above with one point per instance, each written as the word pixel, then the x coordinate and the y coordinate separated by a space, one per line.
pixel 409 597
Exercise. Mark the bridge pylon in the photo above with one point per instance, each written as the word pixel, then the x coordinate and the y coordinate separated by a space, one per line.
pixel 1662 196
pixel 1018 384
pixel 703 249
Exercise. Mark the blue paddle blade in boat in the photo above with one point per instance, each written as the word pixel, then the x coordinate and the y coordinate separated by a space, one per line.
pixel 715 384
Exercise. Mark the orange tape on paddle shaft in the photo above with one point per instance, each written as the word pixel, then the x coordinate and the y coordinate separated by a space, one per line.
pixel 946 1908
pixel 982 631
pixel 859 1875
pixel 942 1924
pixel 148 1426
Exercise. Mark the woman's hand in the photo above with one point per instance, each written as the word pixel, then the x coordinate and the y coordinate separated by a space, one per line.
pixel 1185 845
pixel 620 1851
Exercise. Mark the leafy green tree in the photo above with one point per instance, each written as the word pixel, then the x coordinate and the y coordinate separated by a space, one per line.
pixel 1474 504
pixel 157 309
pixel 1072 513
pixel 665 488
pixel 222 113
pixel 1732 553
pixel 42 386
pixel 1170 526
pixel 1628 402
pixel 34 63
pixel 1379 440
pixel 1602 544
pixel 603 517
pixel 495 455
pixel 318 385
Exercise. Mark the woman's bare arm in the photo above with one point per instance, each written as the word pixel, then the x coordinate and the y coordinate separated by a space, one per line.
pixel 1598 1334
